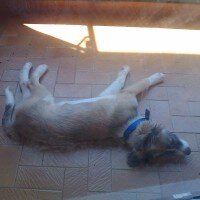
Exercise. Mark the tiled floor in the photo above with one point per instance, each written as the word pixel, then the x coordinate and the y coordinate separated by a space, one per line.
pixel 27 173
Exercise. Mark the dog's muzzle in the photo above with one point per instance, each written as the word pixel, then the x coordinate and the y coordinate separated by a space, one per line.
pixel 185 148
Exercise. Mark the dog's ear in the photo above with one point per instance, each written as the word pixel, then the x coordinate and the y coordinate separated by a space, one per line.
pixel 134 159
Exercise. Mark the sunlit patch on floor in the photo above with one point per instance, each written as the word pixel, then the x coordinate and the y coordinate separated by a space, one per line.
pixel 147 40
pixel 125 39
pixel 74 34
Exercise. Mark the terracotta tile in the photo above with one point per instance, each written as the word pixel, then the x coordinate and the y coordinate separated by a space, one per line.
pixel 186 124
pixel 66 73
pixel 169 164
pixel 4 85
pixel 190 138
pixel 49 195
pixel 75 182
pixel 3 64
pixel 119 159
pixel 9 158
pixel 18 194
pixel 173 80
pixel 171 183
pixel 88 77
pixel 5 51
pixel 107 65
pixel 110 195
pixel 71 90
pixel 170 177
pixel 55 52
pixel 191 80
pixel 99 175
pixel 85 63
pixel 97 89
pixel 10 75
pixel 152 63
pixel 194 108
pixel 68 159
pixel 191 167
pixel 54 42
pixel 2 106
pixel 178 64
pixel 148 196
pixel 49 80
pixel 36 51
pixel 160 113
pixel 192 93
pixel 16 63
pixel 53 63
pixel 31 156
pixel 146 181
pixel 157 93
pixel 40 178
pixel 38 41
pixel 4 139
pixel 19 50
pixel 177 101
pixel 14 40
pixel 198 140
pixel 136 76
pixel 10 30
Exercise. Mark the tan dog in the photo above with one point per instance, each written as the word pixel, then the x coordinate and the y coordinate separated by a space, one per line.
pixel 39 120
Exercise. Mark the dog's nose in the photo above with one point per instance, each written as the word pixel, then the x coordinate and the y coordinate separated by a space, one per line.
pixel 187 151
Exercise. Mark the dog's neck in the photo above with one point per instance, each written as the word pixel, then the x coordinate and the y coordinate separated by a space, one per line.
pixel 142 129
pixel 133 124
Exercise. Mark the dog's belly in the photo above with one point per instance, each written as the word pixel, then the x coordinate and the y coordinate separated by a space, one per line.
pixel 74 123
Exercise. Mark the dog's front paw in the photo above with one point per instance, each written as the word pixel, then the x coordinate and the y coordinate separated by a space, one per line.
pixel 156 78
pixel 124 71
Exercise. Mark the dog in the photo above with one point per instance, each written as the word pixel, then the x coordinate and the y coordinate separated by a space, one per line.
pixel 38 119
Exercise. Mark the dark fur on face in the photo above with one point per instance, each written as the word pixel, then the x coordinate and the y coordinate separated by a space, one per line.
pixel 153 141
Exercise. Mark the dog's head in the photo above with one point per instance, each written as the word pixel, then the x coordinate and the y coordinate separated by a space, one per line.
pixel 150 141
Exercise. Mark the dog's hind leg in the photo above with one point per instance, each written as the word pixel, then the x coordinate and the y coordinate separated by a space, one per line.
pixel 37 74
pixel 144 84
pixel 118 84
pixel 37 89
pixel 24 79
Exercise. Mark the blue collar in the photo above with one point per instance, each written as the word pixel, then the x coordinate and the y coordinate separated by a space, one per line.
pixel 135 123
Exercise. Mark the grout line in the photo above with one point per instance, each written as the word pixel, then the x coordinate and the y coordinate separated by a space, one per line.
pixel 18 165
pixel 63 183
pixel 111 175
pixel 57 71
pixel 88 170
pixel 51 166
pixel 23 188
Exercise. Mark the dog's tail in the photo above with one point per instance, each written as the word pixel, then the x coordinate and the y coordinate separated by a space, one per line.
pixel 8 113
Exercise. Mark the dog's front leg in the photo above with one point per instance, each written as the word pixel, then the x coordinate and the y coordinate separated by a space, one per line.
pixel 144 84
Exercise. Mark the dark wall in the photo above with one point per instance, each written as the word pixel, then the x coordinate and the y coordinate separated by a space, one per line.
pixel 103 10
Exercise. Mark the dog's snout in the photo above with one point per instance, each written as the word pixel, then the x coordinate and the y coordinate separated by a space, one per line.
pixel 187 151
